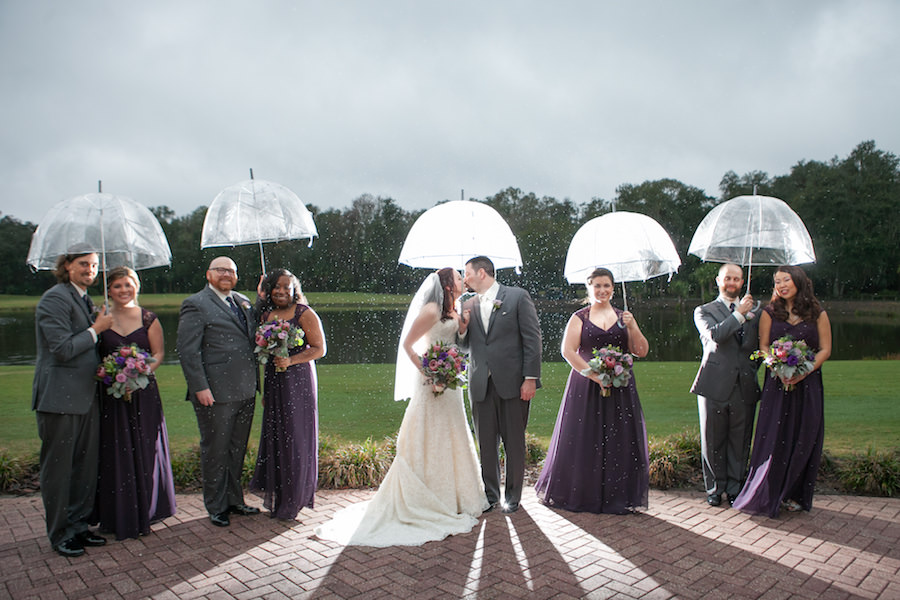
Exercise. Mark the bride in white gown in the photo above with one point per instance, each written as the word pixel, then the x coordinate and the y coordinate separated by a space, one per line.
pixel 433 488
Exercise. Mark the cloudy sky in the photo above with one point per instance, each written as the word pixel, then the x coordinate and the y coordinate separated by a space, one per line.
pixel 169 102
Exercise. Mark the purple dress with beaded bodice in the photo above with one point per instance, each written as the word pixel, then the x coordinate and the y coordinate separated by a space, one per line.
pixel 135 487
pixel 288 461
pixel 787 448
pixel 598 459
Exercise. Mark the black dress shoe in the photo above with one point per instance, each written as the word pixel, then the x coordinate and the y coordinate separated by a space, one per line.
pixel 220 519
pixel 243 509
pixel 510 508
pixel 491 507
pixel 714 499
pixel 89 538
pixel 71 547
pixel 731 500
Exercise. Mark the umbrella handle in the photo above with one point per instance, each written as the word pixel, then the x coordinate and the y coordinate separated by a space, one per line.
pixel 625 304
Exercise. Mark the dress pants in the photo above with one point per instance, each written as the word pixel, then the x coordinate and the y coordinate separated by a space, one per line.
pixel 501 420
pixel 726 429
pixel 224 431
pixel 69 465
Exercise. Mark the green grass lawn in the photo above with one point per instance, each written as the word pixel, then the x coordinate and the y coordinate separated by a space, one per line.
pixel 355 402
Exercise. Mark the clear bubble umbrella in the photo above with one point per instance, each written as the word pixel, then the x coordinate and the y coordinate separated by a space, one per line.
pixel 449 234
pixel 753 231
pixel 121 231
pixel 634 247
pixel 255 212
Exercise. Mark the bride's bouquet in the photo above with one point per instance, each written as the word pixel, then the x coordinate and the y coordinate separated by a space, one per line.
pixel 124 371
pixel 444 366
pixel 787 358
pixel 276 338
pixel 613 366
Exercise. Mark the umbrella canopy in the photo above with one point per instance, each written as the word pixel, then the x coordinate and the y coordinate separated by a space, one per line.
pixel 631 245
pixel 253 212
pixel 475 229
pixel 753 231
pixel 117 228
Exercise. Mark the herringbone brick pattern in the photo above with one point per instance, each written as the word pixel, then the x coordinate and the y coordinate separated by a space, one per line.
pixel 847 547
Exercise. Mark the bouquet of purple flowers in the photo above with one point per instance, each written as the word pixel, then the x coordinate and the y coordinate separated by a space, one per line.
pixel 276 338
pixel 613 366
pixel 124 371
pixel 444 366
pixel 787 358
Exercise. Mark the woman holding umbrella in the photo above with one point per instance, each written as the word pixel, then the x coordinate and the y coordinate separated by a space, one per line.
pixel 787 448
pixel 598 459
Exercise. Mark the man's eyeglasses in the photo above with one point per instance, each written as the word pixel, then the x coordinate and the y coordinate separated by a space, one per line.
pixel 223 271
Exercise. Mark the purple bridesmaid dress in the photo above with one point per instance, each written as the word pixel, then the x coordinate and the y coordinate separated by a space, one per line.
pixel 598 459
pixel 787 448
pixel 287 466
pixel 135 487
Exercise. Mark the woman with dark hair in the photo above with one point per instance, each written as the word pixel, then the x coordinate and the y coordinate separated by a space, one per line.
pixel 433 488
pixel 287 466
pixel 598 460
pixel 136 486
pixel 787 447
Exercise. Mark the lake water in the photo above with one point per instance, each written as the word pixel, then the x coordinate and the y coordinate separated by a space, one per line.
pixel 370 336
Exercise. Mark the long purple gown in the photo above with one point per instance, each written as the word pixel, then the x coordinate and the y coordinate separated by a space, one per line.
pixel 598 459
pixel 287 466
pixel 135 487
pixel 790 431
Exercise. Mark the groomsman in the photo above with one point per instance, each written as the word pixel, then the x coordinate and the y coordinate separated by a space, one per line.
pixel 726 384
pixel 65 398
pixel 504 341
pixel 215 347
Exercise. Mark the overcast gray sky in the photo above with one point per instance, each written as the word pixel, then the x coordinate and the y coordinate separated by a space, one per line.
pixel 169 102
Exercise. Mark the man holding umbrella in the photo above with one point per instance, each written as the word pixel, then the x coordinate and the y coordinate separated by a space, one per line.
pixel 726 384
pixel 65 398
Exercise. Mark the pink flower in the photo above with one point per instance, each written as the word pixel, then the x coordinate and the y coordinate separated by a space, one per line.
pixel 125 351
pixel 610 361
pixel 121 378
pixel 101 371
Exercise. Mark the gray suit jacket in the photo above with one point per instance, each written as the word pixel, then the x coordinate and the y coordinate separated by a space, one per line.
pixel 726 360
pixel 215 350
pixel 509 350
pixel 67 356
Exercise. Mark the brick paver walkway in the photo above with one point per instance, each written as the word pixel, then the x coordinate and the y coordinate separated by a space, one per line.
pixel 847 547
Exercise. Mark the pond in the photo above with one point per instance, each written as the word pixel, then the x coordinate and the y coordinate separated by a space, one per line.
pixel 370 336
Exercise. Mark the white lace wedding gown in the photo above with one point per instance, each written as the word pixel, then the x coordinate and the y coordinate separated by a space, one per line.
pixel 433 488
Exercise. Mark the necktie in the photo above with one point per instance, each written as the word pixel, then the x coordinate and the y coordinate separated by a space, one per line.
pixel 89 304
pixel 740 332
pixel 237 311
pixel 485 310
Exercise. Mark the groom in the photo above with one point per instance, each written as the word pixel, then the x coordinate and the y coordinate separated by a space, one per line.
pixel 503 338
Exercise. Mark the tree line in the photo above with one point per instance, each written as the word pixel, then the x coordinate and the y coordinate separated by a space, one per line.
pixel 849 205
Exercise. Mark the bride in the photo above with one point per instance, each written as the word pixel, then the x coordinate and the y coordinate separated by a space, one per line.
pixel 433 488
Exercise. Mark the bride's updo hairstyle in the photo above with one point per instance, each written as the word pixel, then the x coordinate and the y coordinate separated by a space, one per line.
pixel 445 276
pixel 272 279
pixel 806 306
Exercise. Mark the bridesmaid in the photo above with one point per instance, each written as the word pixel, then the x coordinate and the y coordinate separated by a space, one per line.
pixel 790 430
pixel 287 466
pixel 135 487
pixel 598 459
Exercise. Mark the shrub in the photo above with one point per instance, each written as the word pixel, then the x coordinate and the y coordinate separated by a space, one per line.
pixel 355 465
pixel 18 474
pixel 186 469
pixel 675 460
pixel 875 473
pixel 534 451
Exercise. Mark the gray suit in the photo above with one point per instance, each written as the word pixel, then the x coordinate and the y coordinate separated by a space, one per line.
pixel 216 353
pixel 727 390
pixel 64 394
pixel 501 356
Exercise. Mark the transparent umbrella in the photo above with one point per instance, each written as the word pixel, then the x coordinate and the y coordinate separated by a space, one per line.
pixel 120 230
pixel 753 231
pixel 634 247
pixel 254 212
pixel 468 229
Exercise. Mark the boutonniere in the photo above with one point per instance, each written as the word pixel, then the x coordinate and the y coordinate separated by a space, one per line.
pixel 497 304
pixel 749 316
pixel 245 305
